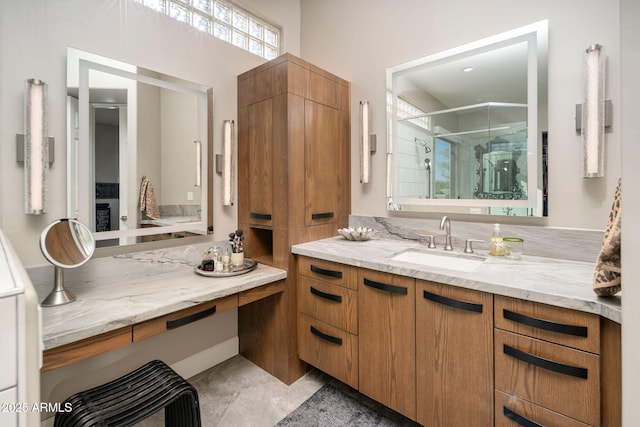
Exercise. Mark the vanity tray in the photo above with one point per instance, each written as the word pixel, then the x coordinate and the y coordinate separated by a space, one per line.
pixel 247 266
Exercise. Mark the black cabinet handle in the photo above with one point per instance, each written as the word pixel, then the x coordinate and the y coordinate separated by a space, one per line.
pixel 331 297
pixel 325 272
pixel 401 290
pixel 550 365
pixel 172 324
pixel 456 303
pixel 255 215
pixel 547 325
pixel 326 337
pixel 322 215
pixel 519 419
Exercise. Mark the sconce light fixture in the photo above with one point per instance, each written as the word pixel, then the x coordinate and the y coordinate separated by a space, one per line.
pixel 198 163
pixel 593 113
pixel 367 144
pixel 224 163
pixel 34 148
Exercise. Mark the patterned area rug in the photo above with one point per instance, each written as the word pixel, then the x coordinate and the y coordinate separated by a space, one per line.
pixel 330 407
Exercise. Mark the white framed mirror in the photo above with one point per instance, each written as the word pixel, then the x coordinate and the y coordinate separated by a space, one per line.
pixel 467 128
pixel 138 152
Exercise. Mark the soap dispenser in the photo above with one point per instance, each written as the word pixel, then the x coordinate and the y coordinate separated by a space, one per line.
pixel 496 247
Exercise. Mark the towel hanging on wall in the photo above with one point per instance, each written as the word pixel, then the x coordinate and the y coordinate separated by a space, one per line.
pixel 607 280
pixel 148 203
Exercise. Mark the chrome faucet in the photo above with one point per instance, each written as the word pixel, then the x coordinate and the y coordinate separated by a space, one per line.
pixel 446 223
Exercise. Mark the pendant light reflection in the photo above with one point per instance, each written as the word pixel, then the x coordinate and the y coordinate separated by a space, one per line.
pixel 365 148
pixel 36 149
pixel 593 113
pixel 228 168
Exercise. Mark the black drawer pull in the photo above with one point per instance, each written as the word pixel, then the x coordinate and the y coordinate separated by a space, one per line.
pixel 331 297
pixel 324 272
pixel 255 215
pixel 519 419
pixel 401 290
pixel 322 215
pixel 578 331
pixel 456 303
pixel 550 365
pixel 326 337
pixel 176 323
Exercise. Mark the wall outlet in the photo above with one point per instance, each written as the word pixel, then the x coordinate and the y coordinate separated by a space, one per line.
pixel 189 195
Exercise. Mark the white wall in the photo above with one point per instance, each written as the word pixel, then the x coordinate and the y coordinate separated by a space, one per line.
pixel 359 39
pixel 34 36
pixel 630 84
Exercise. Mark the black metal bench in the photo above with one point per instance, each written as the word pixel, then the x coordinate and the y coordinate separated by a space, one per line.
pixel 134 397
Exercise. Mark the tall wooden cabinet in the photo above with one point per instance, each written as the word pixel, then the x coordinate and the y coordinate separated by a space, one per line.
pixel 293 186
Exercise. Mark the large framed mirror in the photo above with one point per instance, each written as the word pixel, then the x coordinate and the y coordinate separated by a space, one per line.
pixel 467 128
pixel 139 144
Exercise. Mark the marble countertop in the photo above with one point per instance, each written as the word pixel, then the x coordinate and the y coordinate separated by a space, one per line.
pixel 551 281
pixel 170 220
pixel 122 290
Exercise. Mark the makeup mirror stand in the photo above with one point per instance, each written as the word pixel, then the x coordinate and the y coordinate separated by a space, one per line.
pixel 59 295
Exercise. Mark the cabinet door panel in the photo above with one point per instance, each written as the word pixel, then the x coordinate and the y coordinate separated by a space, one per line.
pixel 260 139
pixel 454 356
pixel 555 377
pixel 514 412
pixel 326 145
pixel 562 326
pixel 387 339
pixel 335 305
pixel 329 349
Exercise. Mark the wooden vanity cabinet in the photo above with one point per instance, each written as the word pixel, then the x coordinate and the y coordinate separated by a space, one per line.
pixel 387 335
pixel 328 318
pixel 454 356
pixel 293 186
pixel 449 356
pixel 550 364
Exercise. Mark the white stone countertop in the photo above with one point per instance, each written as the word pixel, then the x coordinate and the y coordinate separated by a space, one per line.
pixel 170 220
pixel 551 281
pixel 122 290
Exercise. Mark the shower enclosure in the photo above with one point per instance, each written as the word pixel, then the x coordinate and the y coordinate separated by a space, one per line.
pixel 471 152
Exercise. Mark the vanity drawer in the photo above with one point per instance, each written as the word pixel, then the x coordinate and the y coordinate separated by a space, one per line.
pixel 514 412
pixel 332 304
pixel 558 378
pixel 174 320
pixel 563 326
pixel 327 271
pixel 329 349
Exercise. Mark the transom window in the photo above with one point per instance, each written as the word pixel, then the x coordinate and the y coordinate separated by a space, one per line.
pixel 225 21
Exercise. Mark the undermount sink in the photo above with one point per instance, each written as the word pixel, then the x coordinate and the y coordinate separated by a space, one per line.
pixel 450 262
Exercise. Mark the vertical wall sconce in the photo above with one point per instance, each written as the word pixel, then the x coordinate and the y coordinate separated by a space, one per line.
pixel 593 113
pixel 34 148
pixel 198 163
pixel 365 146
pixel 228 166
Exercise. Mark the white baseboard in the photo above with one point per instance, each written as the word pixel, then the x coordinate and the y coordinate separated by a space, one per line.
pixel 195 363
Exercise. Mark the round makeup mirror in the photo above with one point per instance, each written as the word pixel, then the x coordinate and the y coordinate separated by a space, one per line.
pixel 65 243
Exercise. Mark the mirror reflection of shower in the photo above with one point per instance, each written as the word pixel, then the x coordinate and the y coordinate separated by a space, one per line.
pixel 427 164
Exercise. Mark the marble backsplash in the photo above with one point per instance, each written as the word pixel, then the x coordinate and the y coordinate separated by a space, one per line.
pixel 179 210
pixel 551 242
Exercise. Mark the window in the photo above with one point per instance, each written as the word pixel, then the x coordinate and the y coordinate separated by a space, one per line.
pixel 225 21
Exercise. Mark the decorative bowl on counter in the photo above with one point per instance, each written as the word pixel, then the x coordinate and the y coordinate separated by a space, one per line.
pixel 357 234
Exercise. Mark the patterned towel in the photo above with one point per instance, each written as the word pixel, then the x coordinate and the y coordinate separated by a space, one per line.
pixel 148 203
pixel 607 280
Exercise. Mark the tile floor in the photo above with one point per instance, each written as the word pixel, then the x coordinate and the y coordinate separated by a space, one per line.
pixel 236 393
